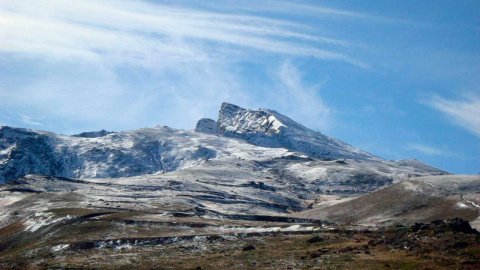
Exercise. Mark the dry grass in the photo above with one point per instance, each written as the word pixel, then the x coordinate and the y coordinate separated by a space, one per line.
pixel 339 250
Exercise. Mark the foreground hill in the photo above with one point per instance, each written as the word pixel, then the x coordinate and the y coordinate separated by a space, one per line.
pixel 416 200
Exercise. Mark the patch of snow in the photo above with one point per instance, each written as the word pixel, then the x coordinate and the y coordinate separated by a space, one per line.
pixel 410 186
pixel 39 220
pixel 60 247
pixel 9 200
pixel 461 205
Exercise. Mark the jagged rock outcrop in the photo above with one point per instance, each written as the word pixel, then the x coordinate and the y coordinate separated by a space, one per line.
pixel 268 128
pixel 93 134
pixel 206 125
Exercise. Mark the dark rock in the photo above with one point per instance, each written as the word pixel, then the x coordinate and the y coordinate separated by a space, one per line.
pixel 437 222
pixel 260 185
pixel 93 134
pixel 460 225
pixel 249 247
pixel 402 233
pixel 315 239
pixel 420 226
pixel 461 245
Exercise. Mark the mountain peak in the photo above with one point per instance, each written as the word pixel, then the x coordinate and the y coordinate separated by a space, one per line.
pixel 269 128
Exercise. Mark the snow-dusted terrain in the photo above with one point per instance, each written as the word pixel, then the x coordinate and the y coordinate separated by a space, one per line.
pixel 251 135
pixel 251 173
pixel 205 168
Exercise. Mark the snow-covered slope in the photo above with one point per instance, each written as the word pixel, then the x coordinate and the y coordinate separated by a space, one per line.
pixel 129 153
pixel 271 140
pixel 163 149
pixel 268 128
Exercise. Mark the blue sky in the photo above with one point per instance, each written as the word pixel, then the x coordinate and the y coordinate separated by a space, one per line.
pixel 400 79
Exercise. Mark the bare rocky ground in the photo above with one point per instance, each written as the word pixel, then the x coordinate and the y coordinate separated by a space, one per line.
pixel 202 243
pixel 57 223
pixel 207 215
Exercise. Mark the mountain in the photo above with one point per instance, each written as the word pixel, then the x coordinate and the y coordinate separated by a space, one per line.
pixel 129 153
pixel 269 128
pixel 250 184
pixel 254 135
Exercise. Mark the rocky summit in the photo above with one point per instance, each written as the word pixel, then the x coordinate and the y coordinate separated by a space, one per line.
pixel 226 192
pixel 269 128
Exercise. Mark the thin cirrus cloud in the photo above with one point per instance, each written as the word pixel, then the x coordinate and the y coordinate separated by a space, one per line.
pixel 304 101
pixel 293 8
pixel 140 32
pixel 180 62
pixel 464 112
pixel 426 150
pixel 29 120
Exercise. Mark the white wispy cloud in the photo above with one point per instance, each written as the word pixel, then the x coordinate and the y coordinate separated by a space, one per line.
pixel 29 120
pixel 464 112
pixel 118 64
pixel 427 150
pixel 145 33
pixel 305 8
pixel 296 7
pixel 299 100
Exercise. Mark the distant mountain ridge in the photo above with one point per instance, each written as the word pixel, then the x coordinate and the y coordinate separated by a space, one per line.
pixel 263 137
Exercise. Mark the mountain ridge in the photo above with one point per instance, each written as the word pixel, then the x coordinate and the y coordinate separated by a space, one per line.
pixel 254 135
